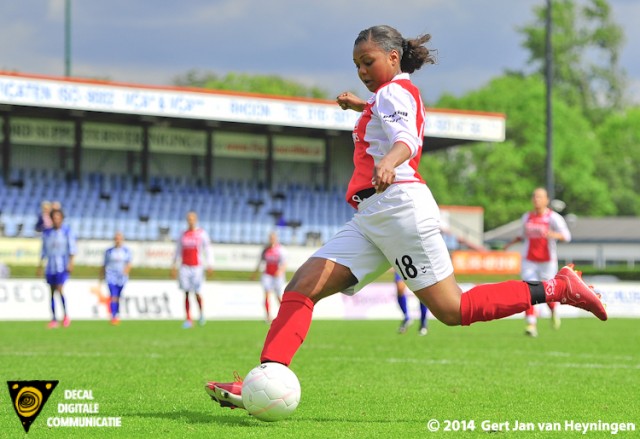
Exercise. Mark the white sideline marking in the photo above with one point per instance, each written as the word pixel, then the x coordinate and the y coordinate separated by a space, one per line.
pixel 587 365
pixel 78 354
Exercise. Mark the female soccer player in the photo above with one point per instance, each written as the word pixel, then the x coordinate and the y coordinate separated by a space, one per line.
pixel 116 268
pixel 193 250
pixel 541 229
pixel 59 249
pixel 397 218
pixel 273 276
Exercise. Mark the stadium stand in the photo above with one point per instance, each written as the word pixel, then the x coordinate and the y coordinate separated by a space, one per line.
pixel 232 211
pixel 239 212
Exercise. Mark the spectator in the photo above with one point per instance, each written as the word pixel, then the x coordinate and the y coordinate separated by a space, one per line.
pixel 44 217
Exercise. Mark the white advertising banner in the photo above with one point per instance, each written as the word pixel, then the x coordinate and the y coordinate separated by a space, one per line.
pixel 160 255
pixel 220 106
pixel 26 251
pixel 469 126
pixel 29 299
pixel 173 103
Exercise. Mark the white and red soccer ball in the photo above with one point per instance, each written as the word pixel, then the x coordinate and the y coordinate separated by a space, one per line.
pixel 271 392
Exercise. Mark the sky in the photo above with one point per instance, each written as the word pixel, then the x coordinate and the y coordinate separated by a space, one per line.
pixel 153 41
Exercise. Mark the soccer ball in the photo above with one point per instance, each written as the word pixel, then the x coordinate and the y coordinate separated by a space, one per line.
pixel 271 392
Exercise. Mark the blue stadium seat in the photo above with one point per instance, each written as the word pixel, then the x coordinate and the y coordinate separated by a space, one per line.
pixel 10 226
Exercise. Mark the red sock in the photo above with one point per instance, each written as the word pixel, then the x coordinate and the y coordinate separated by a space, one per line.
pixel 289 328
pixel 552 305
pixel 494 301
pixel 531 311
pixel 553 289
pixel 186 306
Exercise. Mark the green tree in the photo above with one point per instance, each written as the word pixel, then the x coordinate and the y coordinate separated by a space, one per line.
pixel 586 51
pixel 619 160
pixel 265 84
pixel 501 176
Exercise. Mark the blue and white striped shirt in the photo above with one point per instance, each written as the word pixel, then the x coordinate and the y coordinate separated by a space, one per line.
pixel 115 261
pixel 58 245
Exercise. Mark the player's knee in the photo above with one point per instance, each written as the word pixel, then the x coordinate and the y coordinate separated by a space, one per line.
pixel 452 320
pixel 448 317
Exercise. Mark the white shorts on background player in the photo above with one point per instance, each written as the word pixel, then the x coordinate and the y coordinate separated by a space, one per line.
pixel 273 283
pixel 538 271
pixel 191 277
pixel 399 227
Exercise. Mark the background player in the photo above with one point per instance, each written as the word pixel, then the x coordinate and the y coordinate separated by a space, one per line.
pixel 59 249
pixel 193 250
pixel 273 257
pixel 401 291
pixel 116 268
pixel 541 229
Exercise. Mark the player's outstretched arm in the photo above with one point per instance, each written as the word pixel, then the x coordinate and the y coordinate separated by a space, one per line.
pixel 349 101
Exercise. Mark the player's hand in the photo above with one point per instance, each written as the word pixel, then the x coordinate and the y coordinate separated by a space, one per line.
pixel 39 272
pixel 383 176
pixel 174 273
pixel 349 101
pixel 70 267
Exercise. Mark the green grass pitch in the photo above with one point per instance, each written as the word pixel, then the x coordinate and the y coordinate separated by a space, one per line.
pixel 359 379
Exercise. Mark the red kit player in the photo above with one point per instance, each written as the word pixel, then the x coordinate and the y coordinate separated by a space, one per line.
pixel 397 219
pixel 541 229
pixel 273 257
pixel 193 250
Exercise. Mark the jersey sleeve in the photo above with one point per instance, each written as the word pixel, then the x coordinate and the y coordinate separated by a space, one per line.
pixel 71 242
pixel 397 110
pixel 178 254
pixel 43 250
pixel 560 225
pixel 207 250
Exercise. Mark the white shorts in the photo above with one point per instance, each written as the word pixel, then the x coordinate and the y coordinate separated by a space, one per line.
pixel 190 278
pixel 273 283
pixel 538 271
pixel 399 227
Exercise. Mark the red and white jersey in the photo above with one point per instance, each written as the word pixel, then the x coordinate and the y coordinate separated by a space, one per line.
pixel 395 113
pixel 273 257
pixel 537 247
pixel 194 248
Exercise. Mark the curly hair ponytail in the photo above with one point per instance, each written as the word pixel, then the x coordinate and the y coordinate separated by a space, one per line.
pixel 413 53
